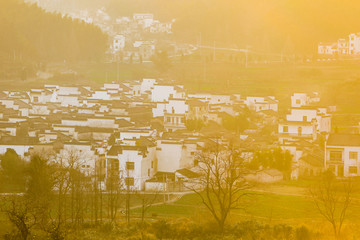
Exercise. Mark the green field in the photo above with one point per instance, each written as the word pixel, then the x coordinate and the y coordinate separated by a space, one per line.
pixel 285 202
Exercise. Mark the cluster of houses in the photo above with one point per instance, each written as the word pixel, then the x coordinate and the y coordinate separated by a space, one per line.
pixel 138 131
pixel 132 39
pixel 348 46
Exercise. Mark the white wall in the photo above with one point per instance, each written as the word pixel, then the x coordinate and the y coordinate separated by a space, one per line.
pixel 161 93
pixel 169 156
pixel 19 149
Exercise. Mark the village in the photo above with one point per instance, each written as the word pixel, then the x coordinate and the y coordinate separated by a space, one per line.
pixel 150 132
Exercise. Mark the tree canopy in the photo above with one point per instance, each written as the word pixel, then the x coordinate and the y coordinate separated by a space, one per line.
pixel 30 33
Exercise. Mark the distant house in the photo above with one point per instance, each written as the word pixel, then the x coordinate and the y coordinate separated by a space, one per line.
pixel 311 163
pixel 342 153
pixel 188 178
pixel 161 182
pixel 304 99
pixel 197 110
pixel 262 103
pixel 304 122
pixel 328 48
pixel 350 46
pixel 212 98
pixel 266 176
pixel 82 154
pixel 118 43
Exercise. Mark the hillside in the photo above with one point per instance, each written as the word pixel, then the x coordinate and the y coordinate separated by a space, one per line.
pixel 30 34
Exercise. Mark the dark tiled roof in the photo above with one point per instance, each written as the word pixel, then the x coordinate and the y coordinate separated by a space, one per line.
pixel 123 123
pixel 344 140
pixel 117 149
pixel 11 140
pixel 163 177
pixel 188 173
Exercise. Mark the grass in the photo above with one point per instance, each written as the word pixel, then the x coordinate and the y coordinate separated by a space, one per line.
pixel 286 203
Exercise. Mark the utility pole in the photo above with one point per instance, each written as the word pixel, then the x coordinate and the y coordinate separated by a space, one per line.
pixel 127 198
pixel 246 56
pixel 118 62
pixel 214 55
pixel 204 71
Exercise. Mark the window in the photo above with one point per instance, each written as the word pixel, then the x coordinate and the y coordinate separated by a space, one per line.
pixel 130 165
pixel 335 156
pixel 332 168
pixel 353 169
pixel 340 170
pixel 129 181
pixel 353 155
pixel 304 118
pixel 299 131
pixel 285 129
pixel 152 164
pixel 114 165
pixel 297 101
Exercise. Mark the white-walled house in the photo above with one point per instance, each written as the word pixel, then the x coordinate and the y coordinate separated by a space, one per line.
pixel 354 43
pixel 82 155
pixel 173 155
pixel 147 85
pixel 212 98
pixel 350 46
pixel 118 43
pixel 328 48
pixel 40 96
pixel 304 99
pixel 133 164
pixel 173 106
pixel 262 103
pixel 297 129
pixel 198 110
pixel 162 93
pixel 342 154
pixel 304 121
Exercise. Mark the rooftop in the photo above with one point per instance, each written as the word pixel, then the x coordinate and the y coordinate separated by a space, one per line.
pixel 350 140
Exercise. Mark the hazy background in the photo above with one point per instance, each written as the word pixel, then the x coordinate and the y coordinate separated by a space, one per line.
pixel 267 25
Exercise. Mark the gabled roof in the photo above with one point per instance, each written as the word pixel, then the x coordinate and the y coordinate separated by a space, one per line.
pixel 118 149
pixel 123 123
pixel 163 177
pixel 188 173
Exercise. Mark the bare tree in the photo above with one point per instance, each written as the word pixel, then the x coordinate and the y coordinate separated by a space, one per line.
pixel 221 186
pixel 58 220
pixel 114 187
pixel 146 201
pixel 332 199
pixel 21 214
